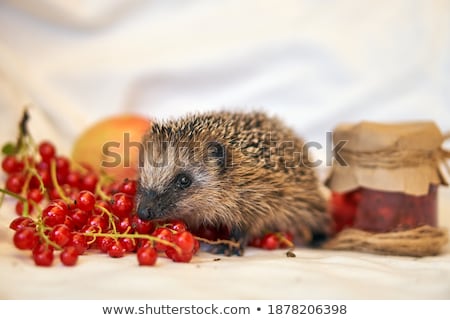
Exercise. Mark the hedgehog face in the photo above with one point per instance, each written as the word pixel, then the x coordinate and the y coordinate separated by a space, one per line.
pixel 173 175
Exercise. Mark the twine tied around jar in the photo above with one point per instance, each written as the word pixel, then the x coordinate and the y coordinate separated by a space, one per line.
pixel 418 242
pixel 392 158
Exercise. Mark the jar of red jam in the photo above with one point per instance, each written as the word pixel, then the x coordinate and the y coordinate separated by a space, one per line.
pixel 385 177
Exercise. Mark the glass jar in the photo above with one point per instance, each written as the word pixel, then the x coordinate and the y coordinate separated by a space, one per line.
pixel 389 177
pixel 381 211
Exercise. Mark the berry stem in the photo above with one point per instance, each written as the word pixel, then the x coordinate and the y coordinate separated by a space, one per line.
pixel 100 192
pixel 219 241
pixel 23 131
pixel 25 141
pixel 41 231
pixel 133 236
pixel 20 198
pixel 110 217
pixel 55 182
pixel 33 173
pixel 285 240
pixel 12 194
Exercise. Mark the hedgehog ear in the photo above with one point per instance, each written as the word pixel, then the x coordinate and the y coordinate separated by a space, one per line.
pixel 216 151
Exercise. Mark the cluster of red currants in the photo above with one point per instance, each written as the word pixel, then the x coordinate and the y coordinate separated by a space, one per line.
pixel 72 210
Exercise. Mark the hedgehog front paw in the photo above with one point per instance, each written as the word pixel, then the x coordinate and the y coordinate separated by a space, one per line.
pixel 227 249
pixel 234 246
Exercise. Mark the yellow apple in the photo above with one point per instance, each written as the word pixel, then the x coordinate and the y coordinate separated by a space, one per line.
pixel 112 145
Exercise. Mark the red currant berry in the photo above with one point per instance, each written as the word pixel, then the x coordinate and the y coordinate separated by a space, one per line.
pixel 124 225
pixel 35 195
pixel 105 243
pixel 112 188
pixel 53 193
pixel 47 151
pixel 185 241
pixel 128 187
pixel 69 256
pixel 21 222
pixel 15 182
pixel 45 177
pixel 207 232
pixel 178 257
pixel 144 243
pixel 90 230
pixel 41 165
pixel 255 242
pixel 128 243
pixel 147 256
pixel 63 166
pixel 142 226
pixel 79 242
pixel 270 242
pixel 100 222
pixel 54 214
pixel 89 182
pixel 20 207
pixel 25 238
pixel 85 200
pixel 79 218
pixel 61 203
pixel 116 250
pixel 178 226
pixel 196 246
pixel 43 255
pixel 10 164
pixel 163 234
pixel 73 179
pixel 101 206
pixel 68 221
pixel 61 235
pixel 121 204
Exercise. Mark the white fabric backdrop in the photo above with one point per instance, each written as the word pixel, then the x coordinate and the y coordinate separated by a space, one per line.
pixel 313 63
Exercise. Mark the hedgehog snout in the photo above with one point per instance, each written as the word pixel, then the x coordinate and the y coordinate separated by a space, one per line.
pixel 151 206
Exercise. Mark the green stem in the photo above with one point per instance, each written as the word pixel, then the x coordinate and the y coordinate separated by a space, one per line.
pixel 33 173
pixel 26 208
pixel 56 184
pixel 110 217
pixel 12 194
pixel 41 231
pixel 101 193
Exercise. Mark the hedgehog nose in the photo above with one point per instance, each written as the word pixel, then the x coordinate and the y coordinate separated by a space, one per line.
pixel 146 203
pixel 144 212
pixel 149 211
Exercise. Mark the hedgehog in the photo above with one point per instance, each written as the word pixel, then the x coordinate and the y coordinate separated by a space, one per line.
pixel 246 171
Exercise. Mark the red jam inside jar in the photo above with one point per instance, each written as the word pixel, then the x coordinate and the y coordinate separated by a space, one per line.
pixel 383 211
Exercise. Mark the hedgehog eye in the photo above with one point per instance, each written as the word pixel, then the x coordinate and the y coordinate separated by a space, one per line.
pixel 183 181
pixel 216 151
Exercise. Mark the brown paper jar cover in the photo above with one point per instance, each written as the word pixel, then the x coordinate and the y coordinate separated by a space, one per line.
pixel 389 175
